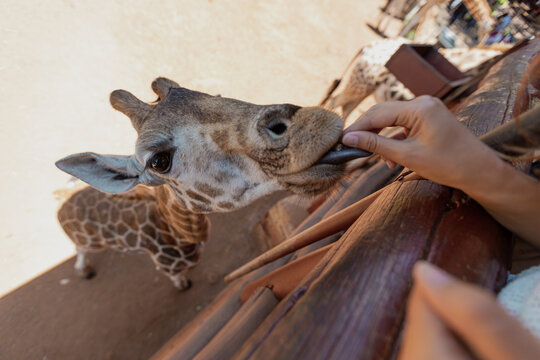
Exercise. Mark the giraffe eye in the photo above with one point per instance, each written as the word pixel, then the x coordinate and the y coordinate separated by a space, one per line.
pixel 161 162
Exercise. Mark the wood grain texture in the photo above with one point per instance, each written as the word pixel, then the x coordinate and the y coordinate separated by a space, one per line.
pixel 240 327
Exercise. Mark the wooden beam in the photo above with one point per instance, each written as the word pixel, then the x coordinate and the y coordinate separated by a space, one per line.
pixel 240 327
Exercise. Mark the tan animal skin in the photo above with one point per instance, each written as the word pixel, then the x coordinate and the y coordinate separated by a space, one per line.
pixel 195 154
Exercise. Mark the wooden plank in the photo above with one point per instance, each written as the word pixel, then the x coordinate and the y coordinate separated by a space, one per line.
pixel 240 327
pixel 280 221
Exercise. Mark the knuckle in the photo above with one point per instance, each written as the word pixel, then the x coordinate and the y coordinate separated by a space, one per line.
pixel 372 143
pixel 429 102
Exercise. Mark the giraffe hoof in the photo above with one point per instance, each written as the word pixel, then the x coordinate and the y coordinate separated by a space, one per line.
pixel 90 275
pixel 86 273
pixel 186 285
pixel 183 285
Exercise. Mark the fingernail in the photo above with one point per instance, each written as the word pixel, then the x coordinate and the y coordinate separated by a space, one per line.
pixel 349 139
pixel 430 275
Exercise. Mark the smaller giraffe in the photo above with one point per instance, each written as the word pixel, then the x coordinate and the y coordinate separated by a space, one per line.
pixel 368 74
pixel 195 154
pixel 140 220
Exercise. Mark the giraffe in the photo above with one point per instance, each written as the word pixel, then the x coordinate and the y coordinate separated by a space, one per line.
pixel 368 75
pixel 481 12
pixel 195 154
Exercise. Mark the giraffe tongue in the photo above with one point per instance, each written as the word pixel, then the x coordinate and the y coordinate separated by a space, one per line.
pixel 340 154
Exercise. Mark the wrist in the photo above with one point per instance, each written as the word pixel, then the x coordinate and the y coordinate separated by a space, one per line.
pixel 487 176
pixel 501 187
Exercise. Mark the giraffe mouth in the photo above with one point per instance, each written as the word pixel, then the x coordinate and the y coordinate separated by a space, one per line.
pixel 324 173
pixel 341 154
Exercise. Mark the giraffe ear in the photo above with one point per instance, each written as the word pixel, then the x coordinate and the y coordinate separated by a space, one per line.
pixel 109 173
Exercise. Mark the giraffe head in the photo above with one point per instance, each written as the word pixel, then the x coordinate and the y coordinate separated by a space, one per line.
pixel 215 153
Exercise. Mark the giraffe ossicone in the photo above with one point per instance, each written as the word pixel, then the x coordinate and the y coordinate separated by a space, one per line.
pixel 195 154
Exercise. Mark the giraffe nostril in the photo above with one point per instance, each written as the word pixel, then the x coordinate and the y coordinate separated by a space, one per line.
pixel 277 129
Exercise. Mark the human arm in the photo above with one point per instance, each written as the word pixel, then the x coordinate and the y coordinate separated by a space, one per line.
pixel 441 149
pixel 442 309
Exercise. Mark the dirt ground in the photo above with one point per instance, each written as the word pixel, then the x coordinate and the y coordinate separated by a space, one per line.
pixel 59 62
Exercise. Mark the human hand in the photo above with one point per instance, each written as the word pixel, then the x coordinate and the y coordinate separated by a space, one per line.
pixel 442 309
pixel 436 145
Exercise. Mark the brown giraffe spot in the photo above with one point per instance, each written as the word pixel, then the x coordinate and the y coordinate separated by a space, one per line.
pixel 77 226
pixel 131 239
pixel 128 217
pixel 90 228
pixel 143 243
pixel 69 227
pixel 165 260
pixel 79 213
pixel 165 239
pixel 189 249
pixel 115 214
pixel 141 211
pixel 95 246
pixel 193 257
pixel 170 251
pixel 225 205
pixel 221 138
pixel 153 218
pixel 93 215
pixel 151 247
pixel 106 234
pixel 200 207
pixel 121 229
pixel 240 136
pixel 221 176
pixel 236 160
pixel 197 197
pixel 81 239
pixel 91 200
pixel 208 189
pixel 103 211
pixel 179 266
pixel 149 230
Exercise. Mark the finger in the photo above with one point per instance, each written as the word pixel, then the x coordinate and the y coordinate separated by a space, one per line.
pixel 388 148
pixel 475 316
pixel 395 113
pixel 426 336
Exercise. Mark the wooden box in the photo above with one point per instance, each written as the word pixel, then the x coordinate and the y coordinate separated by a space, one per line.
pixel 424 71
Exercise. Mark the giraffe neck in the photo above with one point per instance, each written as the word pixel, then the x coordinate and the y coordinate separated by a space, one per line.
pixel 193 227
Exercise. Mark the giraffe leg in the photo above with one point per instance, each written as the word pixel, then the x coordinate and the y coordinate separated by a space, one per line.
pixel 173 268
pixel 81 266
pixel 180 281
pixel 175 261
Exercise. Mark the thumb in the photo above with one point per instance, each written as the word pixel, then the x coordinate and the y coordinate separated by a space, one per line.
pixel 474 315
pixel 388 148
